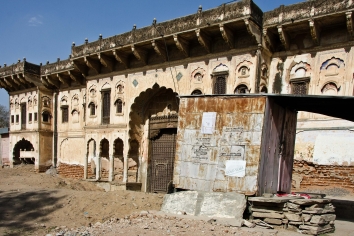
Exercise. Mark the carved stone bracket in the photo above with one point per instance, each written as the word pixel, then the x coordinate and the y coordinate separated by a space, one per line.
pixel 45 82
pixel 77 78
pixel 64 80
pixel 283 37
pixel 315 32
pixel 349 16
pixel 106 61
pixel 82 68
pixel 253 30
pixel 22 79
pixel 140 54
pixel 267 40
pixel 204 40
pixel 227 35
pixel 122 58
pixel 35 79
pixel 159 49
pixel 10 83
pixel 95 65
pixel 15 80
pixel 5 86
pixel 182 44
pixel 52 81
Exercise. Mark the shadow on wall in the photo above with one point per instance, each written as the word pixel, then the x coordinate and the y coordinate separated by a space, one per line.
pixel 17 207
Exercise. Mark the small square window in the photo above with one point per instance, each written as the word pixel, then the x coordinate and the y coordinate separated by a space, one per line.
pixel 35 116
pixel 12 119
pixel 30 117
pixel 17 119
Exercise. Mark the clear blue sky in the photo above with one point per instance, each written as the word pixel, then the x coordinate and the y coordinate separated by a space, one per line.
pixel 43 30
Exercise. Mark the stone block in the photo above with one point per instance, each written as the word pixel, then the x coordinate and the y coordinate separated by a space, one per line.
pixel 293 217
pixel 306 217
pixel 322 219
pixel 315 230
pixel 273 221
pixel 185 201
pixel 216 205
pixel 224 205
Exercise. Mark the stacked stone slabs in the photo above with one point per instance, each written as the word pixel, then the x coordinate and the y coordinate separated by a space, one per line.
pixel 309 216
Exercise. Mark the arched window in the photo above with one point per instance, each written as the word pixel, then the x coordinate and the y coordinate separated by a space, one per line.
pixel 106 106
pixel 197 92
pixel 92 108
pixel 241 89
pixel 264 89
pixel 220 85
pixel 330 89
pixel 119 106
pixel 46 117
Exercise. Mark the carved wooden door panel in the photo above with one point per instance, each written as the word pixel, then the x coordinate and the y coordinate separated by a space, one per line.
pixel 163 156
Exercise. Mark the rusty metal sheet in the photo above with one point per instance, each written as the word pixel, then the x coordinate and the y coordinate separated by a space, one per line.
pixel 201 158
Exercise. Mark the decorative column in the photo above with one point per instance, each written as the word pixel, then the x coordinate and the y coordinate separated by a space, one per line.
pixel 111 168
pixel 125 156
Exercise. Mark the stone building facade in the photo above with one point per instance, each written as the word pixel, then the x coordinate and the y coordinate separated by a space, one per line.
pixel 110 111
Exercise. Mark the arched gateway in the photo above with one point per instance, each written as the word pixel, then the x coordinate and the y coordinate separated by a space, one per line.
pixel 153 125
pixel 23 152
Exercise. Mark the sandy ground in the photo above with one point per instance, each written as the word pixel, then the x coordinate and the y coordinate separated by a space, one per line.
pixel 41 204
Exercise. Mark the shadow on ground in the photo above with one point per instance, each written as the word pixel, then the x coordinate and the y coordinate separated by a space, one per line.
pixel 16 208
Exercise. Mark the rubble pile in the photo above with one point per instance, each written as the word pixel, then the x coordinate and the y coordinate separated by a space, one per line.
pixel 308 216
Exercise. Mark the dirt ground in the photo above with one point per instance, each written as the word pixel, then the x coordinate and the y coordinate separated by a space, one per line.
pixel 42 204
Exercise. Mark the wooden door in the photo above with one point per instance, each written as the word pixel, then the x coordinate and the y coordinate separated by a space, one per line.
pixel 162 160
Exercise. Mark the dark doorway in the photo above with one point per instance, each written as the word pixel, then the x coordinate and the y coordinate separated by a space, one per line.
pixel 27 147
pixel 163 148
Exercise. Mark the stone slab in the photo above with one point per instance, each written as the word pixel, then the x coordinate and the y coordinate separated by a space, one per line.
pixel 226 206
pixel 323 219
pixel 273 221
pixel 309 202
pixel 293 217
pixel 272 199
pixel 267 215
pixel 185 201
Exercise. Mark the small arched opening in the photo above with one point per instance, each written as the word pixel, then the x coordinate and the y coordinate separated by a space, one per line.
pixel 23 152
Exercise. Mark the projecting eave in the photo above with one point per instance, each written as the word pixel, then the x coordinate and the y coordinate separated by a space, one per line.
pixel 186 37
pixel 20 76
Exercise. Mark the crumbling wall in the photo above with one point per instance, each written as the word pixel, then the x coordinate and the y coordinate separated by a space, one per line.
pixel 71 171
pixel 307 175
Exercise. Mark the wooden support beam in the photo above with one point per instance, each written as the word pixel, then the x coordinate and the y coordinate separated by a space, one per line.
pixel 122 58
pixel 227 35
pixel 52 81
pixel 283 37
pixel 140 54
pixel 106 61
pixel 350 24
pixel 160 49
pixel 93 64
pixel 204 40
pixel 315 32
pixel 63 79
pixel 182 44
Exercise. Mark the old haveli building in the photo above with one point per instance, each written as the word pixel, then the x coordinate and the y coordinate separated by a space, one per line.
pixel 110 111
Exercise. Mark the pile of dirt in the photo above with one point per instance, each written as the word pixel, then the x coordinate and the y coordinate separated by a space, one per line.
pixel 35 203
